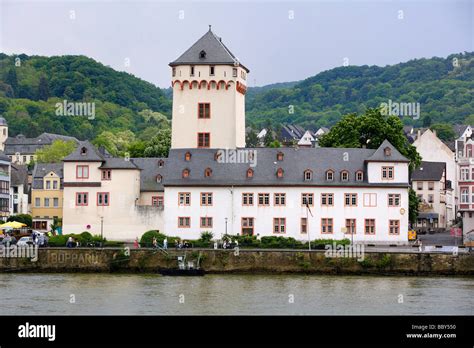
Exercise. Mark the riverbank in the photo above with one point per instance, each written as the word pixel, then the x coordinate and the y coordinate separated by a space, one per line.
pixel 243 261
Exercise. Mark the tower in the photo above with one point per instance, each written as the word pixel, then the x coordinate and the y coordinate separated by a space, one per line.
pixel 209 85
pixel 3 133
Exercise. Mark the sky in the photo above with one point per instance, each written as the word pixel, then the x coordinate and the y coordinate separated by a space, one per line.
pixel 279 41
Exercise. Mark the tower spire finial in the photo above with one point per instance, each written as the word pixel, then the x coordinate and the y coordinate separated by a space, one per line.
pixel 210 27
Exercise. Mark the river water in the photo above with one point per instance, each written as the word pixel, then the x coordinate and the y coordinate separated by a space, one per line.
pixel 37 294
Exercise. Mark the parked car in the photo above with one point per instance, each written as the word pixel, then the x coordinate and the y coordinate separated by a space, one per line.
pixel 25 241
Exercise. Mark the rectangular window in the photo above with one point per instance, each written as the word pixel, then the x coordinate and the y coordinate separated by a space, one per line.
pixel 304 225
pixel 37 202
pixel 247 226
pixel 247 199
pixel 206 222
pixel 48 185
pixel 82 198
pixel 211 70
pixel 56 202
pixel 370 199
pixel 430 185
pixel 234 72
pixel 279 199
pixel 184 222
pixel 351 226
pixel 184 198
pixel 369 226
pixel 430 198
pixel 102 198
pixel 307 199
pixel 326 225
pixel 5 187
pixel 263 199
pixel 350 199
pixel 393 200
pixel 204 139
pixel 464 173
pixel 106 174
pixel 192 71
pixel 387 173
pixel 206 198
pixel 204 110
pixel 279 225
pixel 394 227
pixel 464 195
pixel 174 72
pixel 419 185
pixel 55 185
pixel 46 202
pixel 158 201
pixel 327 199
pixel 82 172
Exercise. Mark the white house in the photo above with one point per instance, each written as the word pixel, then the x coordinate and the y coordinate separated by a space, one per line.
pixel 210 182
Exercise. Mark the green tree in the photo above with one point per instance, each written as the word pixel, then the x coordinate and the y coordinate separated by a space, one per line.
pixel 12 80
pixel 268 138
pixel 251 139
pixel 160 145
pixel 116 143
pixel 55 152
pixel 427 121
pixel 137 149
pixel 23 218
pixel 413 204
pixel 43 89
pixel 444 131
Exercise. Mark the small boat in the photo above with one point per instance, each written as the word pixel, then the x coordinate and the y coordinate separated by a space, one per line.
pixel 184 268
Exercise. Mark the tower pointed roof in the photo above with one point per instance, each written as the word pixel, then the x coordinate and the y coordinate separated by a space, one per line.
pixel 209 49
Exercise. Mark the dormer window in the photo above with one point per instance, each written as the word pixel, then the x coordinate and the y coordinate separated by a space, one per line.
pixel 185 173
pixel 207 172
pixel 159 178
pixel 387 151
pixel 360 176
pixel 250 173
pixel 161 163
pixel 329 175
pixel 211 70
pixel 308 175
pixel 279 173
pixel 280 156
pixel 83 151
pixel 187 156
pixel 344 175
pixel 202 54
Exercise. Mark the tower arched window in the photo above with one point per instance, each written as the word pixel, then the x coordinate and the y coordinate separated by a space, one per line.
pixel 308 175
pixel 330 175
pixel 207 172
pixel 186 173
pixel 279 173
pixel 344 175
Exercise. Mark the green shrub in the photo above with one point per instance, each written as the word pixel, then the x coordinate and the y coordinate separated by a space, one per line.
pixel 146 241
pixel 279 242
pixel 58 241
pixel 247 241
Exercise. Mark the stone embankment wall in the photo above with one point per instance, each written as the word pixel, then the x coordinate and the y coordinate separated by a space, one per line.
pixel 245 261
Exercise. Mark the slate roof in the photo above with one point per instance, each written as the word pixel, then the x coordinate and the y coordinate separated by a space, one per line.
pixel 4 157
pixel 216 52
pixel 23 145
pixel 85 152
pixel 3 122
pixel 41 169
pixel 150 169
pixel 291 132
pixel 295 162
pixel 395 155
pixel 429 171
pixel 117 163
pixel 459 129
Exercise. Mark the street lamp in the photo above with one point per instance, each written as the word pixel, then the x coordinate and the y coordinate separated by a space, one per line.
pixel 352 232
pixel 101 230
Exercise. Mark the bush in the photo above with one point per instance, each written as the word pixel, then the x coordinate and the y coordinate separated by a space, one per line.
pixel 280 242
pixel 83 239
pixel 146 241
pixel 247 241
pixel 58 241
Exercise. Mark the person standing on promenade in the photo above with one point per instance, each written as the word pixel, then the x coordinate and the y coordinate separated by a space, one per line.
pixel 165 243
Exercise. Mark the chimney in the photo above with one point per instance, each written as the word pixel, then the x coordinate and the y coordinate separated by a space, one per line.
pixel 418 134
pixel 434 131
